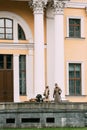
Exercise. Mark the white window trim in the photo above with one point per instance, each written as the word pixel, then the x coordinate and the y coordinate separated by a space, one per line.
pixel 18 20
pixel 82 76
pixel 82 25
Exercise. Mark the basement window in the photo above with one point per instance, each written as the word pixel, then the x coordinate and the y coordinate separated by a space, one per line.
pixel 30 120
pixel 10 120
pixel 50 120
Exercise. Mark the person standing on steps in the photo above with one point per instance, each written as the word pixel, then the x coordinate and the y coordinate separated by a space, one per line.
pixel 57 93
pixel 46 93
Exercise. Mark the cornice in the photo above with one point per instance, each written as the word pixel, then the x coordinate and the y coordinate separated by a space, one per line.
pixel 69 4
pixel 76 4
pixel 16 46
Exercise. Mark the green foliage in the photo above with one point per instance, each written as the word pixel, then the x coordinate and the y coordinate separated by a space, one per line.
pixel 45 128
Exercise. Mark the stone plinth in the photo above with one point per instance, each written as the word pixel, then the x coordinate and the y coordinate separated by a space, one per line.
pixel 24 115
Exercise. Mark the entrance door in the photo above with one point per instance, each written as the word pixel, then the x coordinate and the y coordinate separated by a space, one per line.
pixel 6 78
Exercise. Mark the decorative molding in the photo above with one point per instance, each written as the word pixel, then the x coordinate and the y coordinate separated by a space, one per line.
pixel 68 4
pixel 38 5
pixel 16 46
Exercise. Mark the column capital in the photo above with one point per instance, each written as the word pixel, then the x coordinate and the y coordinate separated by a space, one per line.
pixel 59 5
pixel 38 6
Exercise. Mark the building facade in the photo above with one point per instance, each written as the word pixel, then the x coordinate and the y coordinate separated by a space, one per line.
pixel 43 42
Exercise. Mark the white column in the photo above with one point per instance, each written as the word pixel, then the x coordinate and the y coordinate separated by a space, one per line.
pixel 59 45
pixel 50 51
pixel 39 73
pixel 29 74
pixel 16 77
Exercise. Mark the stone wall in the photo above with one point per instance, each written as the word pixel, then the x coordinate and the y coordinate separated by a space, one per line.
pixel 43 115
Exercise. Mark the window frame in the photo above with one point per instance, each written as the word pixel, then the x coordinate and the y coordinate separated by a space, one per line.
pixel 74 79
pixel 82 78
pixel 81 27
pixel 4 27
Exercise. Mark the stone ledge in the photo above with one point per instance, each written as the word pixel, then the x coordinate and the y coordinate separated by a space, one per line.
pixel 55 106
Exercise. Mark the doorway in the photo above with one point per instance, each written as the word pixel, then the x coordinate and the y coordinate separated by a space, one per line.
pixel 6 78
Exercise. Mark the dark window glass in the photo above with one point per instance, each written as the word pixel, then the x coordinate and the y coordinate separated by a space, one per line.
pixel 21 34
pixel 22 74
pixel 10 120
pixel 1 62
pixel 74 79
pixel 50 120
pixel 30 120
pixel 6 28
pixel 6 61
pixel 75 28
pixel 9 61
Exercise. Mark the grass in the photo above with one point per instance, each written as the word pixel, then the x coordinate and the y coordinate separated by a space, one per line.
pixel 43 128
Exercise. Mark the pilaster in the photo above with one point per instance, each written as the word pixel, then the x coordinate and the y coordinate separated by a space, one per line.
pixel 16 78
pixel 29 74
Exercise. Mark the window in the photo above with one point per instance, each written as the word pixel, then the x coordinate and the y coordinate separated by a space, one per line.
pixel 22 74
pixel 21 34
pixel 74 79
pixel 74 28
pixel 13 20
pixel 30 120
pixel 6 61
pixel 10 120
pixel 6 28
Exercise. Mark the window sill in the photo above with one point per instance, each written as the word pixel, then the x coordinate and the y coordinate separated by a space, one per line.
pixel 75 95
pixel 23 95
pixel 75 38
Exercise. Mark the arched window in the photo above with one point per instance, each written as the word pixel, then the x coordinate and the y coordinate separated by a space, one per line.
pixel 6 28
pixel 21 34
pixel 14 27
